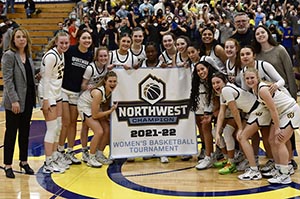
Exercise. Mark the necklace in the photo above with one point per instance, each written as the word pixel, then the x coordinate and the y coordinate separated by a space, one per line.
pixel 23 58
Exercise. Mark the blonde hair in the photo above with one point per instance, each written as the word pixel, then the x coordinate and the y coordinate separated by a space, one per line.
pixel 98 51
pixel 12 45
pixel 52 42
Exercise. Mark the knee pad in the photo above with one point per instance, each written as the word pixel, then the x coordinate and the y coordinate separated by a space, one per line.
pixel 58 120
pixel 51 131
pixel 228 137
pixel 222 142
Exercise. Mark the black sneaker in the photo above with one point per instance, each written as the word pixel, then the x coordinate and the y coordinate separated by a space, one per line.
pixel 294 163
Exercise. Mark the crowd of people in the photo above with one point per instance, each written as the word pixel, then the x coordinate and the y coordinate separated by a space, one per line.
pixel 242 56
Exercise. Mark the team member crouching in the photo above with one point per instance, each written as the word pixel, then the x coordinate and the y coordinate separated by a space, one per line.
pixel 234 98
pixel 94 73
pixel 285 113
pixel 49 88
pixel 90 109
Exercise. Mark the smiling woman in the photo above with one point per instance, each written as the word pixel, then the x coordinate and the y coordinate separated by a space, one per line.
pixel 211 47
pixel 92 113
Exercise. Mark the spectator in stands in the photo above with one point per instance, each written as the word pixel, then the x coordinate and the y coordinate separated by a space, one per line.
pixel 1 7
pixel 294 18
pixel 244 35
pixel 60 28
pixel 287 37
pixel 98 35
pixel 11 4
pixel 159 6
pixel 11 25
pixel 29 6
pixel 271 20
pixel 275 33
pixel 260 17
pixel 122 12
pixel 146 8
pixel 111 36
pixel 73 29
pixel 86 25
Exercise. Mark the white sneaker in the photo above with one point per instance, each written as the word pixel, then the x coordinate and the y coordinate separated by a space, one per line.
pixel 103 160
pixel 52 167
pixel 250 175
pixel 280 178
pixel 238 157
pixel 268 166
pixel 71 156
pixel 218 155
pixel 66 160
pixel 270 174
pixel 206 163
pixel 59 159
pixel 291 169
pixel 85 156
pixel 58 166
pixel 92 162
pixel 242 166
pixel 164 159
pixel 47 168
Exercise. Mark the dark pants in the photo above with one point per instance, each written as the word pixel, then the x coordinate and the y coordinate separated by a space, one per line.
pixel 15 122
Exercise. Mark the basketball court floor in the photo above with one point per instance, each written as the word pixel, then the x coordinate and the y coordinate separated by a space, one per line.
pixel 142 179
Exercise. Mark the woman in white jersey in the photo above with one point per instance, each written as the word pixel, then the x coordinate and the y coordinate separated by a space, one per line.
pixel 285 113
pixel 180 59
pixel 268 73
pixel 235 99
pixel 168 41
pixel 94 73
pixel 194 57
pixel 201 103
pixel 123 57
pixel 193 51
pixel 49 88
pixel 137 48
pixel 211 47
pixel 233 63
pixel 90 110
pixel 151 60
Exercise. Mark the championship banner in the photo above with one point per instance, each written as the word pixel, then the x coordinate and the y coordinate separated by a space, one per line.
pixel 152 117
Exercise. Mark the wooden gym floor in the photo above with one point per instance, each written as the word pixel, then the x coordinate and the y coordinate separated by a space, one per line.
pixel 142 179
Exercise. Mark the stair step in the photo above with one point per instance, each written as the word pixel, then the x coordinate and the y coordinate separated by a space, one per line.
pixel 68 6
pixel 38 21
pixel 37 33
pixel 52 27
pixel 61 15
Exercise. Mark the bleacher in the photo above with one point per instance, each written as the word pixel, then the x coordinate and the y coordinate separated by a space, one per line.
pixel 42 26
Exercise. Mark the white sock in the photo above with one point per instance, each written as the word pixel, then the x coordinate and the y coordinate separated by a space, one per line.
pixel 61 148
pixel 254 168
pixel 48 159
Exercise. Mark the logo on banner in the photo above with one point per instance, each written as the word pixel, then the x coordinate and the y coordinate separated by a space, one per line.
pixel 152 90
pixel 153 108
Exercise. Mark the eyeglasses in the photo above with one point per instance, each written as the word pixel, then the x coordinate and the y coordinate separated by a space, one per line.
pixel 241 21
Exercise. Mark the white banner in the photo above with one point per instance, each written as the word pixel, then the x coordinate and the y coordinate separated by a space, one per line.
pixel 152 118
